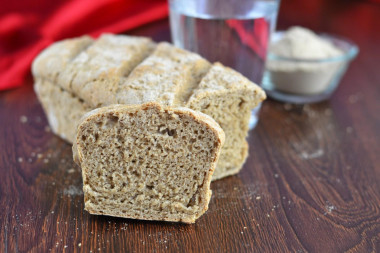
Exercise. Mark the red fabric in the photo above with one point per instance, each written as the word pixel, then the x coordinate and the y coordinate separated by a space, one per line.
pixel 28 26
pixel 257 39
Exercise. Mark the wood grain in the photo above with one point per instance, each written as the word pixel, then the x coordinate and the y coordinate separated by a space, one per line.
pixel 310 184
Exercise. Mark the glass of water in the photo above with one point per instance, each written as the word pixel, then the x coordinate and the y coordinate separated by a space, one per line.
pixel 233 32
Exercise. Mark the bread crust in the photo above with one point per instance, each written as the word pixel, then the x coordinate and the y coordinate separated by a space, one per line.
pixel 87 74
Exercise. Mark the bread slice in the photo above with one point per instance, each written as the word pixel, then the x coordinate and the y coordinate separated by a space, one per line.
pixel 92 70
pixel 63 109
pixel 147 161
pixel 228 97
pixel 118 69
pixel 167 76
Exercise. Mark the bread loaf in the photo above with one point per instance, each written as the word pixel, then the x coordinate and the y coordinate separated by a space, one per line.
pixel 147 161
pixel 85 74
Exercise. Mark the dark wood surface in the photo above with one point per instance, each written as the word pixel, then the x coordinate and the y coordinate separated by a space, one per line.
pixel 310 184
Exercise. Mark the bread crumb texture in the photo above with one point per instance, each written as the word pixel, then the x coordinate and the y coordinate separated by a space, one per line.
pixel 147 161
pixel 77 75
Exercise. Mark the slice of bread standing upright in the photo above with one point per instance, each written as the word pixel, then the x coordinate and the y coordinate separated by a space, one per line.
pixel 147 161
pixel 228 97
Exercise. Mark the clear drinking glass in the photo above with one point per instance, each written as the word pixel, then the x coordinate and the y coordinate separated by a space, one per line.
pixel 233 32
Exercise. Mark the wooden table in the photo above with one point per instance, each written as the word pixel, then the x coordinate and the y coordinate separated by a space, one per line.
pixel 310 184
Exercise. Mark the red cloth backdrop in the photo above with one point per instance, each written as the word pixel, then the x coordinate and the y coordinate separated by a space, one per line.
pixel 28 26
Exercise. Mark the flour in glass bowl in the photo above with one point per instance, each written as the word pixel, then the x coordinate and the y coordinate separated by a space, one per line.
pixel 295 75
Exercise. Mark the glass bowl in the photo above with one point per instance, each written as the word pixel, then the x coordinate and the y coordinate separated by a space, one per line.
pixel 301 81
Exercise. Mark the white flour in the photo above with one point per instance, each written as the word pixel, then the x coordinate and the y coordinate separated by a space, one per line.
pixel 297 77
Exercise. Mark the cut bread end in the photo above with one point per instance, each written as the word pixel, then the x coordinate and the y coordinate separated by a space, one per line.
pixel 147 161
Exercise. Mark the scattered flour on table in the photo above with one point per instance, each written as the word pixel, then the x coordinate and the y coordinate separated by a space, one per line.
pixel 329 208
pixel 318 153
pixel 70 171
pixel 23 119
pixel 246 192
pixel 73 191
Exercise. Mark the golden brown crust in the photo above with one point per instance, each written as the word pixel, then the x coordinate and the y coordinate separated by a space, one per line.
pixel 90 74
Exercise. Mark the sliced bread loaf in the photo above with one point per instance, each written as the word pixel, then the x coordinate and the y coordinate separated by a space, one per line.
pixel 147 161
pixel 116 69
